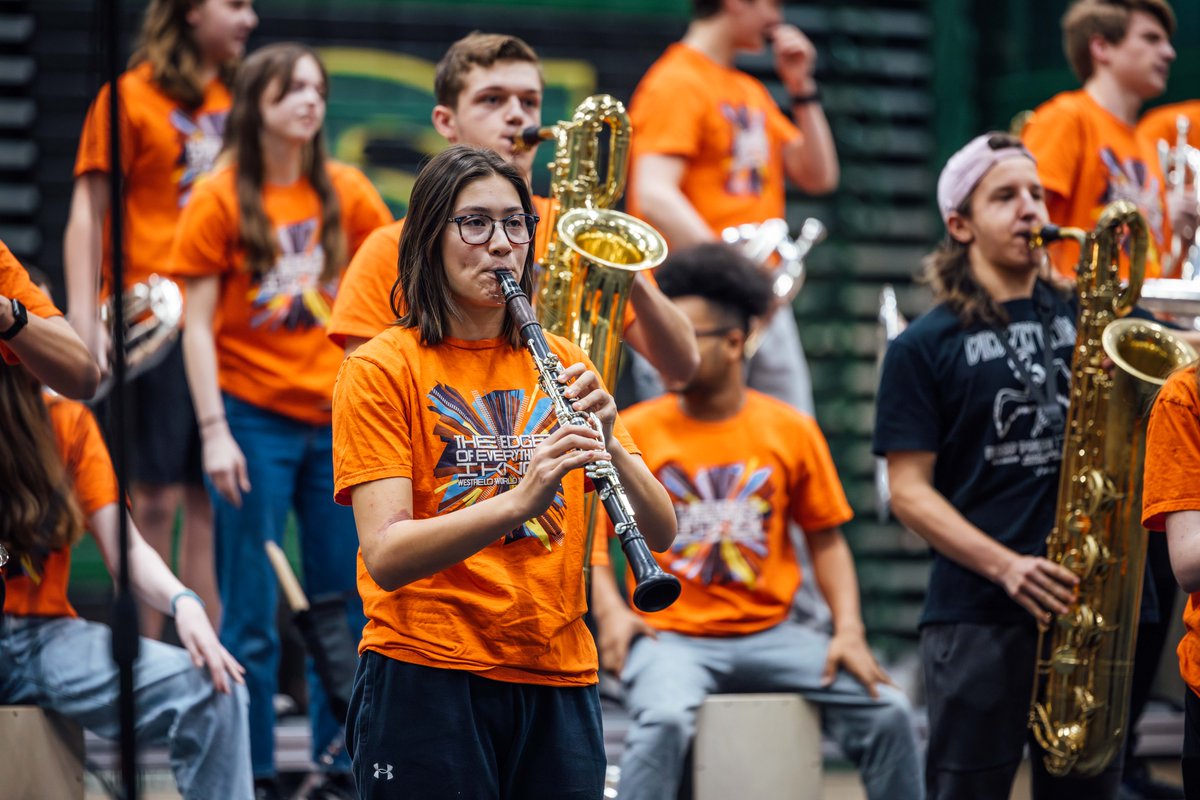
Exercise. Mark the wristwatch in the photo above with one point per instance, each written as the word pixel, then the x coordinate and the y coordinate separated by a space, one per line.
pixel 20 320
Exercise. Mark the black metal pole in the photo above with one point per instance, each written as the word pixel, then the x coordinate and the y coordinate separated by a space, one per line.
pixel 124 617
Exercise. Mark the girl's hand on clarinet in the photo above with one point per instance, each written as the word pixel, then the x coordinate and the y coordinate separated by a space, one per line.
pixel 225 465
pixel 586 394
pixel 569 447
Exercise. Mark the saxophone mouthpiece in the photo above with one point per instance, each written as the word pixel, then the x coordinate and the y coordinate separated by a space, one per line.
pixel 1039 237
pixel 530 138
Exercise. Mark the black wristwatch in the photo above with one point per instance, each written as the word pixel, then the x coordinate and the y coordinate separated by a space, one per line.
pixel 20 320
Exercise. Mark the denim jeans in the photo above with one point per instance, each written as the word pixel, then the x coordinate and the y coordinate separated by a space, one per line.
pixel 65 664
pixel 668 678
pixel 290 464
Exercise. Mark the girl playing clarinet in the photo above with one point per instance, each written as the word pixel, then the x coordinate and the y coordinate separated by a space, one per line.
pixel 478 675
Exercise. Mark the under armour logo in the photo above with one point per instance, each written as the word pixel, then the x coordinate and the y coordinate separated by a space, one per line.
pixel 384 771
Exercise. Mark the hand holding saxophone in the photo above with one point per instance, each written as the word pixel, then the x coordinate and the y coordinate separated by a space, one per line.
pixel 1040 586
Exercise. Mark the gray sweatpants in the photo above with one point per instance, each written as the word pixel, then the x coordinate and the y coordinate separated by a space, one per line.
pixel 668 678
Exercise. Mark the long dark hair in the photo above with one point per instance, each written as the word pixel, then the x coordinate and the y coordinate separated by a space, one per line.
pixel 39 512
pixel 167 45
pixel 243 143
pixel 422 290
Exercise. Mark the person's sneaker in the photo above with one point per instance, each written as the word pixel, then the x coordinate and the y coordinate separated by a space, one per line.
pixel 267 789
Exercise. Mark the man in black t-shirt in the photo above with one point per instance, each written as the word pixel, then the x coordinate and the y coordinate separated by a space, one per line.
pixel 971 413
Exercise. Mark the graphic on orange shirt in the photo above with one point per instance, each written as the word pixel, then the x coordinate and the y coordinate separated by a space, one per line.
pixel 488 445
pixel 201 138
pixel 1131 180
pixel 751 149
pixel 291 294
pixel 720 534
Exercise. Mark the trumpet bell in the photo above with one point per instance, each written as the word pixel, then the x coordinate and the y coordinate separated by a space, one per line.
pixel 153 312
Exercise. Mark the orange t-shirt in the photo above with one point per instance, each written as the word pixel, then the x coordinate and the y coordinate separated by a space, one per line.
pixel 735 484
pixel 724 124
pixel 272 350
pixel 15 282
pixel 164 149
pixel 460 420
pixel 1172 464
pixel 1087 158
pixel 364 302
pixel 81 448
pixel 1159 123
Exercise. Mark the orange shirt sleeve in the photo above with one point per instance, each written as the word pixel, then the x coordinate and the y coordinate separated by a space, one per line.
pixel 677 133
pixel 15 282
pixel 1055 137
pixel 372 434
pixel 207 234
pixel 85 455
pixel 363 305
pixel 94 141
pixel 363 210
pixel 1172 452
pixel 818 501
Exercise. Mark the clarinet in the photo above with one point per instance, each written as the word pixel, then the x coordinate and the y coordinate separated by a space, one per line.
pixel 655 589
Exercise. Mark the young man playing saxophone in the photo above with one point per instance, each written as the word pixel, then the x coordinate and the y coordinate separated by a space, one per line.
pixel 971 416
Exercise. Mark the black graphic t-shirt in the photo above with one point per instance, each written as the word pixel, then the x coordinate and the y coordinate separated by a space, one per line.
pixel 955 392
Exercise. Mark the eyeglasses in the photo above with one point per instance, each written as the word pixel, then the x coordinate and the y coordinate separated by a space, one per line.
pixel 478 228
pixel 717 331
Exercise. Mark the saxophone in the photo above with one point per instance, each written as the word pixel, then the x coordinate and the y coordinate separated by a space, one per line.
pixel 1085 657
pixel 594 253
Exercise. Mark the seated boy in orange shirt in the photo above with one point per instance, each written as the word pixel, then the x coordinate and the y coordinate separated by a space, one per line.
pixel 740 465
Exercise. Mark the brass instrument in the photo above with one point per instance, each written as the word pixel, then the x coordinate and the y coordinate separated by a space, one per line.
pixel 1181 168
pixel 891 324
pixel 771 241
pixel 594 253
pixel 1085 657
pixel 153 313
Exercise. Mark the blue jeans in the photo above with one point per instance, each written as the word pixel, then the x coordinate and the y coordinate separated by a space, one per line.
pixel 65 664
pixel 668 678
pixel 290 464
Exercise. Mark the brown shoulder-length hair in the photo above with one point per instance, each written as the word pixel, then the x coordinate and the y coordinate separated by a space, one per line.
pixel 422 289
pixel 1108 19
pixel 39 512
pixel 266 75
pixel 167 45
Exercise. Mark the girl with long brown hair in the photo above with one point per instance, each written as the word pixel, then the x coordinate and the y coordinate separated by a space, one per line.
pixel 262 244
pixel 59 482
pixel 174 101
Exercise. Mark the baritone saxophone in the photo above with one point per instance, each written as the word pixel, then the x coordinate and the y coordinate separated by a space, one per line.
pixel 1078 712
pixel 594 253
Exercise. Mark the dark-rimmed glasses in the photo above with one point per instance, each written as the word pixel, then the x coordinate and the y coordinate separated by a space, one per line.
pixel 478 228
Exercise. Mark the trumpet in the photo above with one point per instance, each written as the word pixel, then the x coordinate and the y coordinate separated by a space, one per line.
pixel 656 589
pixel 770 240
pixel 1181 167
pixel 152 314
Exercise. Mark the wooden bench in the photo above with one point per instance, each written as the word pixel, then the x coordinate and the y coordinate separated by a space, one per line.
pixel 41 755
pixel 762 746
